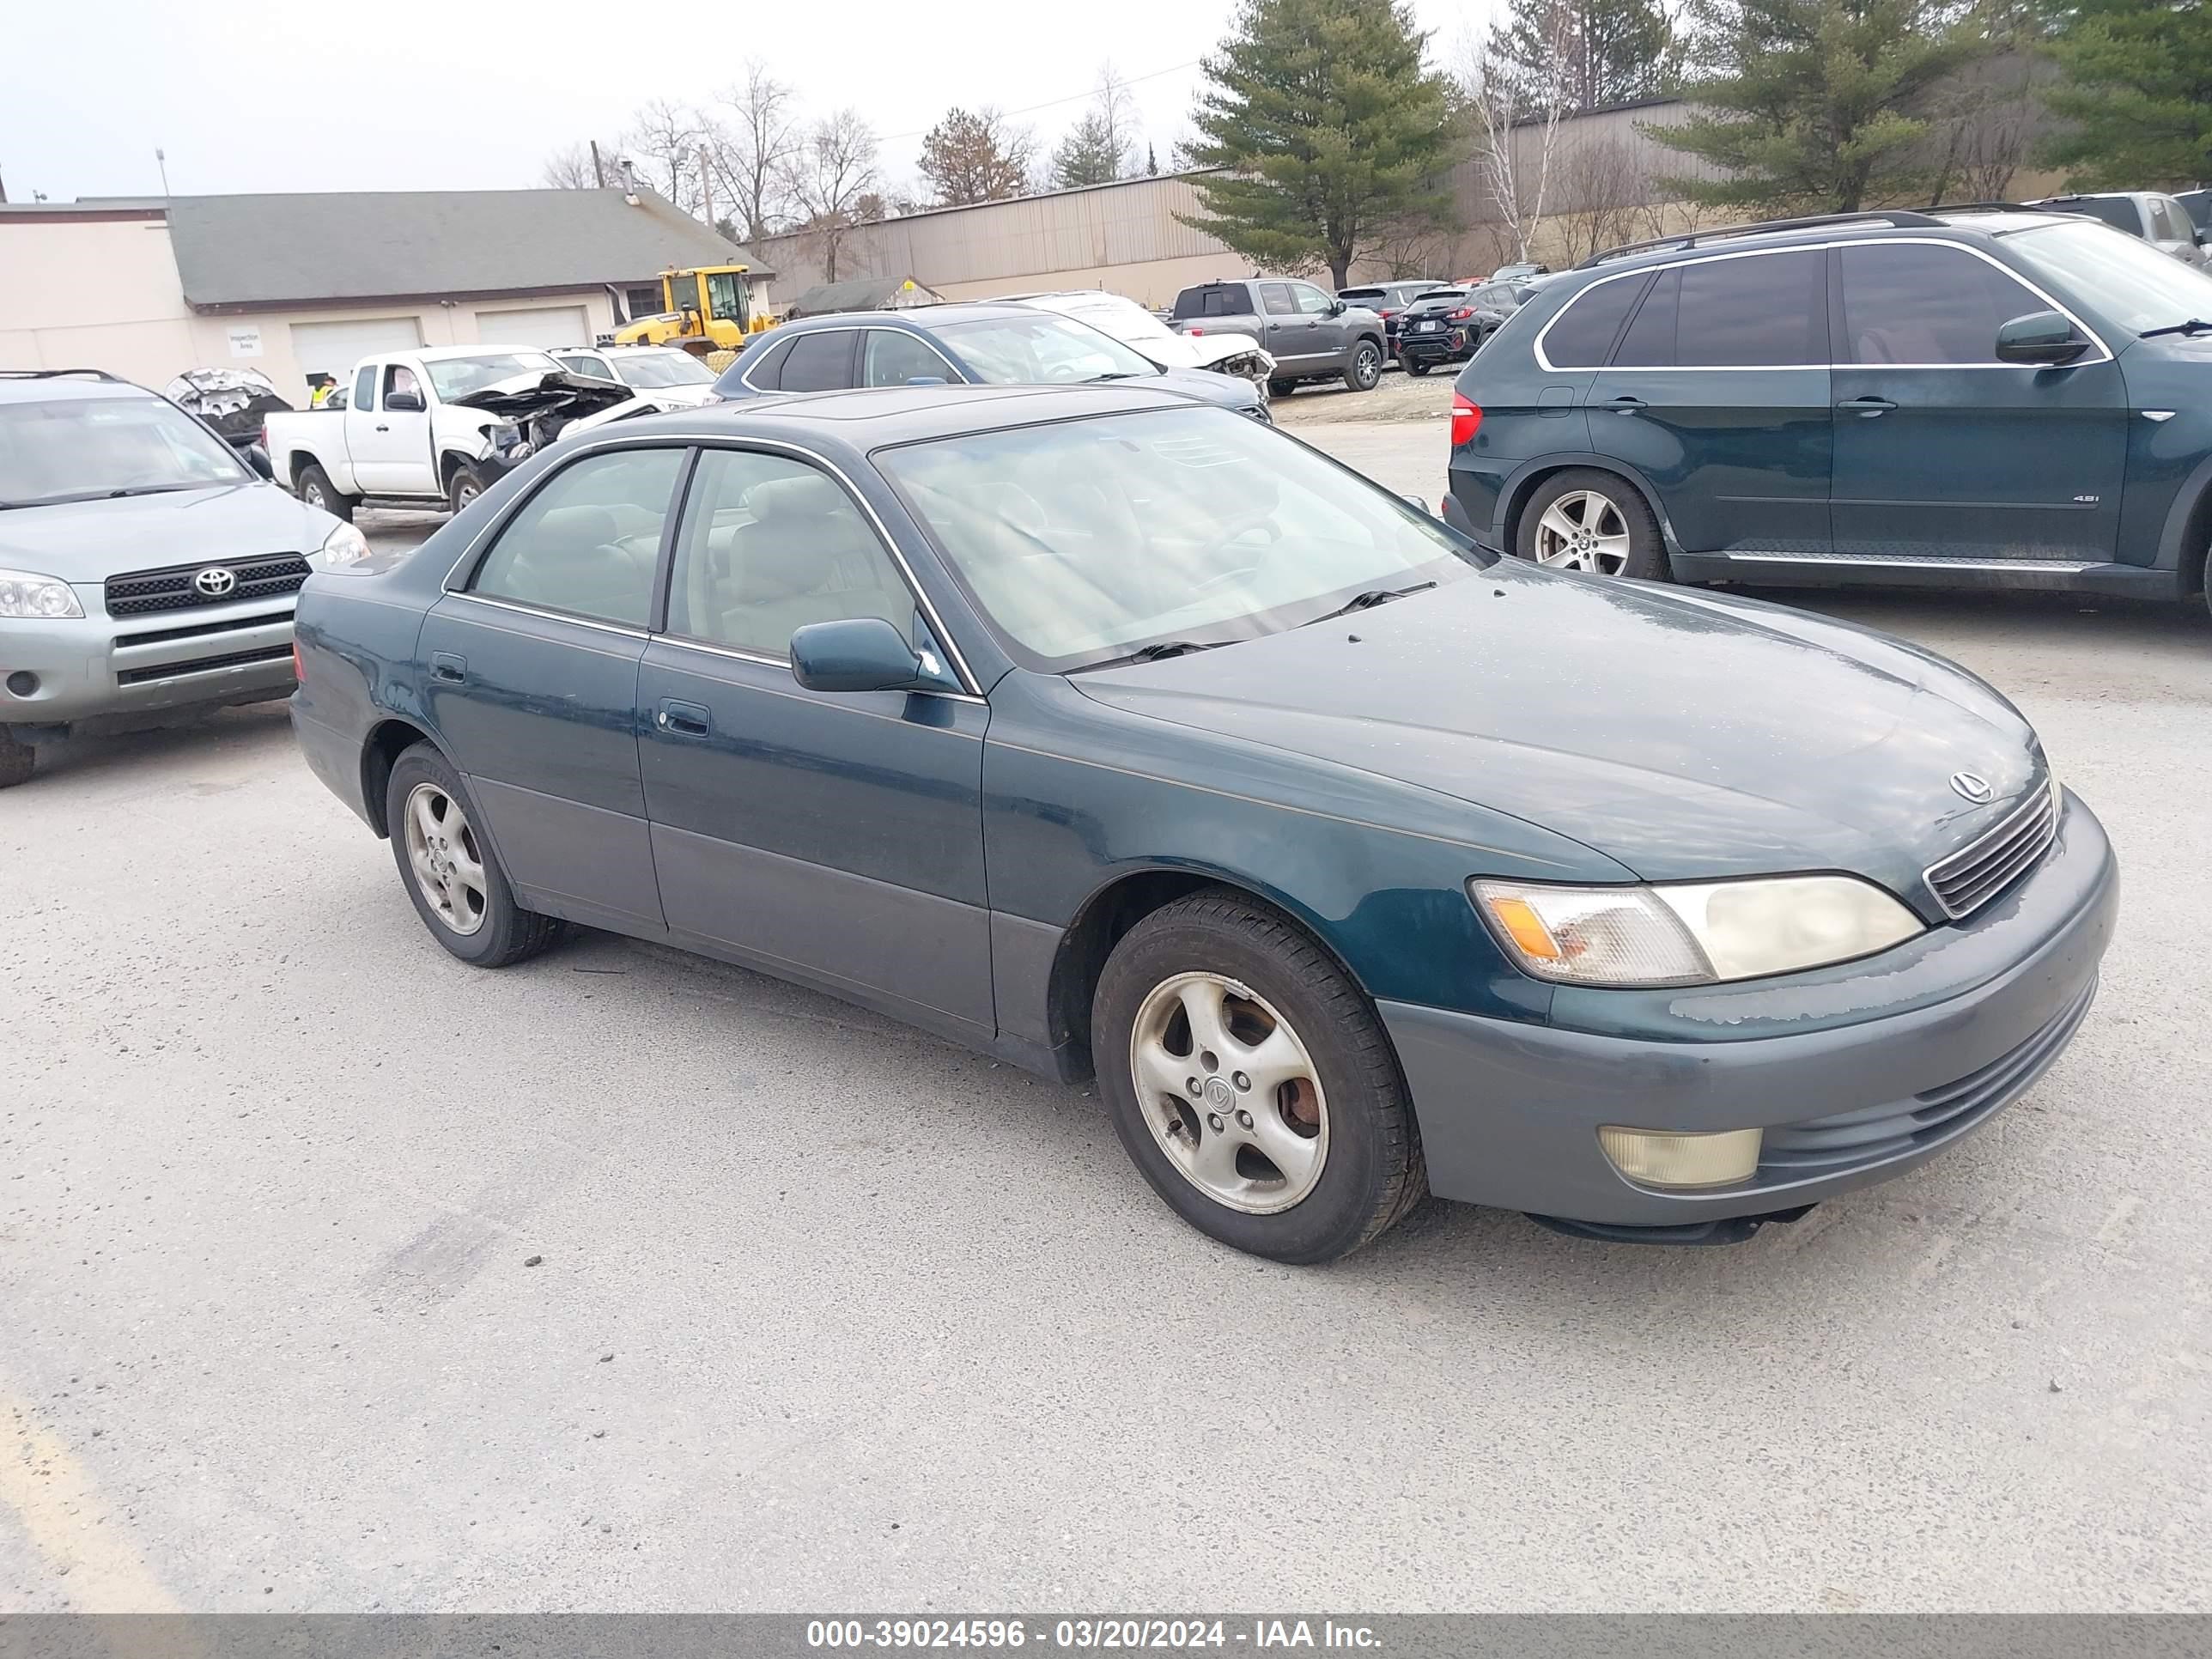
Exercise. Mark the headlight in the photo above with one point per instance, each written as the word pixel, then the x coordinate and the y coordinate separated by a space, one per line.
pixel 343 546
pixel 1699 933
pixel 22 594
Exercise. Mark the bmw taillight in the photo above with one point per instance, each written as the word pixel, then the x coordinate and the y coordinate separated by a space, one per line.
pixel 1467 419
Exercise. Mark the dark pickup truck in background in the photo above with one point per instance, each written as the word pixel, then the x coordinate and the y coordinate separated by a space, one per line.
pixel 1312 336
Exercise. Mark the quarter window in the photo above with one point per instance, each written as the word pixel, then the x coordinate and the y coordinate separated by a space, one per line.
pixel 1917 302
pixel 1649 342
pixel 1582 336
pixel 769 546
pixel 1762 312
pixel 892 357
pixel 767 374
pixel 818 362
pixel 588 542
pixel 364 387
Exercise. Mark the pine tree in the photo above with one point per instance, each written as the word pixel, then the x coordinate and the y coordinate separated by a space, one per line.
pixel 1812 106
pixel 1090 154
pixel 1615 50
pixel 2137 94
pixel 1331 130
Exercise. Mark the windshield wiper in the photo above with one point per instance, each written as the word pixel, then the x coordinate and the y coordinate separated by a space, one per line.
pixel 1123 374
pixel 2194 326
pixel 1368 601
pixel 148 490
pixel 1155 653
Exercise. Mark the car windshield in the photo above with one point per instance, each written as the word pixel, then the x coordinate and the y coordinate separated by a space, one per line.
pixel 1124 319
pixel 2120 277
pixel 1086 540
pixel 662 369
pixel 456 377
pixel 1041 350
pixel 78 449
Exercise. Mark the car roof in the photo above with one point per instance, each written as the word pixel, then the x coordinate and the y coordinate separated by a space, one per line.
pixel 1967 224
pixel 875 417
pixel 56 386
pixel 913 317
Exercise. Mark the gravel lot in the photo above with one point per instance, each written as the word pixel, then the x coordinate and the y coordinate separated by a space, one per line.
pixel 827 1314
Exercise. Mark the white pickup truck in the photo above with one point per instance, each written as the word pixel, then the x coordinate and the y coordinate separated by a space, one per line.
pixel 437 427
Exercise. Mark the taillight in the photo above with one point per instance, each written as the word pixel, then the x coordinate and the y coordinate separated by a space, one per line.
pixel 1386 311
pixel 1462 313
pixel 1193 332
pixel 1467 419
pixel 299 669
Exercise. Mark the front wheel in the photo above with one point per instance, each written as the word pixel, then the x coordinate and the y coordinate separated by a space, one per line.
pixel 17 759
pixel 1282 388
pixel 468 483
pixel 451 872
pixel 1364 372
pixel 1251 1082
pixel 317 490
pixel 1592 522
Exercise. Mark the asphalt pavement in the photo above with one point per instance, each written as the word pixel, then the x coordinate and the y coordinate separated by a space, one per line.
pixel 335 1275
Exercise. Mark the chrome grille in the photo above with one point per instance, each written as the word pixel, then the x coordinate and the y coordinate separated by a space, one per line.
pixel 139 592
pixel 1879 1132
pixel 1984 867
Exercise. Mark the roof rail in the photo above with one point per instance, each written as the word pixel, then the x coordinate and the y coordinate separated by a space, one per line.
pixel 1985 207
pixel 55 373
pixel 1903 216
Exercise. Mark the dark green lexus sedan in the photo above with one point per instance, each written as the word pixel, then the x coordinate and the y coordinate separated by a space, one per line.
pixel 1123 738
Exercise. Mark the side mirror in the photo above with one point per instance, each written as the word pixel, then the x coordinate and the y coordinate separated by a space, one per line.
pixel 1337 307
pixel 2040 337
pixel 257 458
pixel 863 653
pixel 403 403
pixel 1419 504
pixel 2201 237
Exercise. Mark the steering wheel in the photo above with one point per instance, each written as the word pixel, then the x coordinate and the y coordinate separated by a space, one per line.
pixel 1236 527
pixel 1212 582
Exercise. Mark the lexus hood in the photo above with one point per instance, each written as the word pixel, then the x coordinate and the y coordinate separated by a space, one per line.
pixel 86 542
pixel 1685 736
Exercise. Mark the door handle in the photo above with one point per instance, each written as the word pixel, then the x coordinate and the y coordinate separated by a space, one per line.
pixel 1867 407
pixel 445 666
pixel 1625 405
pixel 685 720
pixel 384 428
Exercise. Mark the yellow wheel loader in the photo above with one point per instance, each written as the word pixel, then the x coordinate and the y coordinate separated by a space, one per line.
pixel 704 310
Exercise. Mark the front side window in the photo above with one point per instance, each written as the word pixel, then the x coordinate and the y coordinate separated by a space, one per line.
pixel 891 357
pixel 1042 350
pixel 1084 540
pixel 399 381
pixel 1915 302
pixel 2119 277
pixel 75 449
pixel 1275 299
pixel 587 543
pixel 455 378
pixel 1310 299
pixel 818 362
pixel 727 297
pixel 769 545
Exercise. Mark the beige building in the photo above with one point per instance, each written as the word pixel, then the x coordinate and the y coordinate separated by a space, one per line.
pixel 295 285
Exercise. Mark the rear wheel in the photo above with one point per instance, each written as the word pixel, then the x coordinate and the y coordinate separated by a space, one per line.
pixel 449 871
pixel 468 483
pixel 1591 521
pixel 316 490
pixel 1251 1082
pixel 17 759
pixel 1364 372
pixel 1415 365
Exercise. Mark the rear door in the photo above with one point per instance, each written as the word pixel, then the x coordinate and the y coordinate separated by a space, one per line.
pixel 1717 391
pixel 1941 451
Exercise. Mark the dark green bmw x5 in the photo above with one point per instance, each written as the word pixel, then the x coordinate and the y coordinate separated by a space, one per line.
pixel 1972 396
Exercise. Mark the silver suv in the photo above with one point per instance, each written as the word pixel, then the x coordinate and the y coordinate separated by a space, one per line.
pixel 145 567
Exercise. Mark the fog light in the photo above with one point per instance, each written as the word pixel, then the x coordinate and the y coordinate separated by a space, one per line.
pixel 24 683
pixel 1659 1158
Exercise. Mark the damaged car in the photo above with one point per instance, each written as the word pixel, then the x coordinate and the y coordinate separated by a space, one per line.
pixel 1224 353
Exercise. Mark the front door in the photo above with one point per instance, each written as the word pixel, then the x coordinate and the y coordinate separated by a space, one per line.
pixel 1941 451
pixel 1283 332
pixel 835 837
pixel 530 674
pixel 390 449
pixel 1322 324
pixel 1717 391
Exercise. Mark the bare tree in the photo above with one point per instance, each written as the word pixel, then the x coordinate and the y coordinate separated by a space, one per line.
pixel 1407 252
pixel 1101 146
pixel 1506 104
pixel 754 149
pixel 836 179
pixel 1987 121
pixel 570 167
pixel 1603 188
pixel 664 140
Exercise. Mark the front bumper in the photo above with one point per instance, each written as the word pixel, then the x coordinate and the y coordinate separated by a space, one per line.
pixel 1509 1112
pixel 98 669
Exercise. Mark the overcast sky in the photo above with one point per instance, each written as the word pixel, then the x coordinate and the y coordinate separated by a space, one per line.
pixel 408 95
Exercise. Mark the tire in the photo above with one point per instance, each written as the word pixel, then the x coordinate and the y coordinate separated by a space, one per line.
pixel 1604 527
pixel 1348 1104
pixel 1282 388
pixel 1416 366
pixel 466 485
pixel 314 487
pixel 1364 372
pixel 488 930
pixel 17 759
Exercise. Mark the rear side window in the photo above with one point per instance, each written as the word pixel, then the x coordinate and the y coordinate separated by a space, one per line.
pixel 1916 302
pixel 589 543
pixel 818 362
pixel 364 387
pixel 1582 336
pixel 1766 310
pixel 1649 342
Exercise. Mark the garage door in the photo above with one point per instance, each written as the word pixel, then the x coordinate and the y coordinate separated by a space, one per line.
pixel 549 327
pixel 333 348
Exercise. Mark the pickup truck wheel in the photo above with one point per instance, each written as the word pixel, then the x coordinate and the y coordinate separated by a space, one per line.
pixel 315 489
pixel 1364 372
pixel 1251 1082
pixel 16 759
pixel 468 483
pixel 1282 388
pixel 451 872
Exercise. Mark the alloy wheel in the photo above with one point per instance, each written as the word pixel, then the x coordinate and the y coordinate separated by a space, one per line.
pixel 1230 1092
pixel 1584 531
pixel 447 863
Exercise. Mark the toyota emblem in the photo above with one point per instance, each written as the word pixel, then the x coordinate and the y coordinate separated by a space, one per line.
pixel 1973 788
pixel 214 582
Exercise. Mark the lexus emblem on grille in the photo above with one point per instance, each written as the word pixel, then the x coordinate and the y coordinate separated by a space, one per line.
pixel 1975 789
pixel 214 581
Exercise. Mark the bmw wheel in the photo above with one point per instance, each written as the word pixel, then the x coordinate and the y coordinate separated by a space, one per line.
pixel 1251 1082
pixel 1591 521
